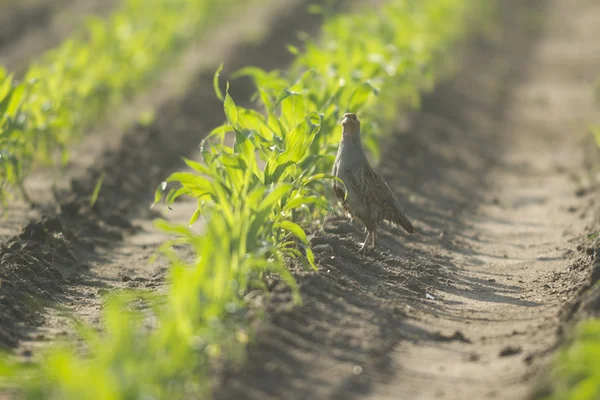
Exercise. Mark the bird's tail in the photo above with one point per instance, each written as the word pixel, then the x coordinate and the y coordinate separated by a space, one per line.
pixel 399 218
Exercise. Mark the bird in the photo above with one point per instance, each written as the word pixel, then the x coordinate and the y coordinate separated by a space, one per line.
pixel 366 196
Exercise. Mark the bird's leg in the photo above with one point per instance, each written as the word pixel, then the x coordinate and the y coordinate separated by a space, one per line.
pixel 374 238
pixel 363 248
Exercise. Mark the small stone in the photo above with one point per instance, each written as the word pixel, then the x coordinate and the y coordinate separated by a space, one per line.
pixel 529 359
pixel 589 251
pixel 323 248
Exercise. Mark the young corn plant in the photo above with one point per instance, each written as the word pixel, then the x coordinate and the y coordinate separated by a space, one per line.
pixel 11 134
pixel 259 181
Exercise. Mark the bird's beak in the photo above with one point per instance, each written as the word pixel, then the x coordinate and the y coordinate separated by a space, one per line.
pixel 344 121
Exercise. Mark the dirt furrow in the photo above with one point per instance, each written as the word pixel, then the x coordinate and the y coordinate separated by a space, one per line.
pixel 492 171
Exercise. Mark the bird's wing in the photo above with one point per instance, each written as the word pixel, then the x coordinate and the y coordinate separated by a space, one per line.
pixel 379 193
pixel 375 189
pixel 339 192
pixel 341 196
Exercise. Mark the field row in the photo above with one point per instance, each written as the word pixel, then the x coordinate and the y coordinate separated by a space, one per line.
pixel 74 85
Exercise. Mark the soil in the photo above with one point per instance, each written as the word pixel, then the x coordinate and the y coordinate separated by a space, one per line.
pixel 494 172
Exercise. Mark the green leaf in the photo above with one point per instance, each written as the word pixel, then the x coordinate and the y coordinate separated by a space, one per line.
pixel 275 195
pixel 300 201
pixel 274 169
pixel 360 96
pixel 5 102
pixel 195 216
pixel 315 9
pixel 293 109
pixel 230 110
pixel 198 185
pixel 297 142
pixel 318 177
pixel 196 166
pixel 174 194
pixel 96 191
pixel 5 88
pixel 284 94
pixel 267 102
pixel 293 50
pixel 159 192
pixel 245 148
pixel 254 121
pixel 216 82
pixel 310 257
pixel 294 229
pixel 255 73
pixel 219 132
pixel 174 229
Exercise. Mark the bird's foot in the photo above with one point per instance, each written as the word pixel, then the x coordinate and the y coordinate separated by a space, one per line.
pixel 365 247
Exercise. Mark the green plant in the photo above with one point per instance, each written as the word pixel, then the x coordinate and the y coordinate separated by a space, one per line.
pixel 595 130
pixel 96 192
pixel 576 373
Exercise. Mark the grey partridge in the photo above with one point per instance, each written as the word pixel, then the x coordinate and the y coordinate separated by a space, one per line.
pixel 369 199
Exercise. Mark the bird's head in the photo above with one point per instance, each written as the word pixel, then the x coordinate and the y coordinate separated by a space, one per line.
pixel 350 125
